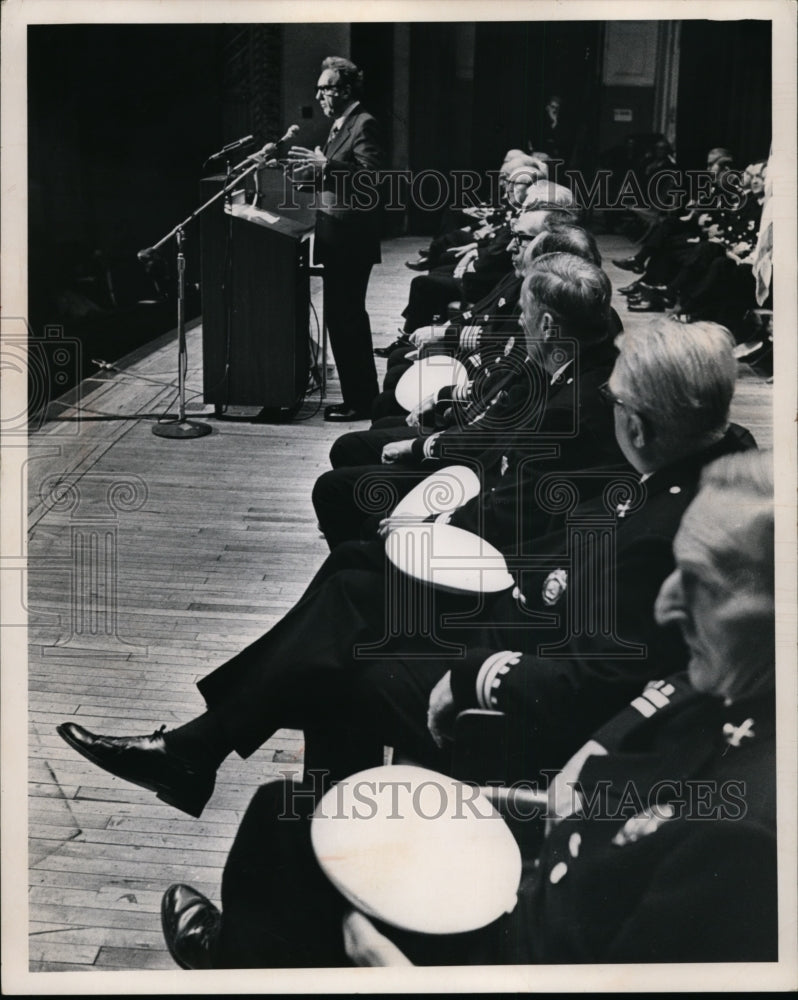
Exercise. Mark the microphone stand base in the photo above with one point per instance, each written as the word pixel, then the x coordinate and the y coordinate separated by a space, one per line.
pixel 181 429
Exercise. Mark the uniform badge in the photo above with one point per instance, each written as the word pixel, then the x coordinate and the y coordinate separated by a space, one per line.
pixel 554 586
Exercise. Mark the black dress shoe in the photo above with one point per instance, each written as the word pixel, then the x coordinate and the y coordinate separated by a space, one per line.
pixel 190 925
pixel 653 303
pixel 418 265
pixel 339 413
pixel 385 352
pixel 630 264
pixel 630 289
pixel 148 762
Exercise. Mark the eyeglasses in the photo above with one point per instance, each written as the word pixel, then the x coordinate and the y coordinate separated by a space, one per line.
pixel 608 396
pixel 327 89
pixel 520 237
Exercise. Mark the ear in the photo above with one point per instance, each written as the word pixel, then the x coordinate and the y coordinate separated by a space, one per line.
pixel 637 429
pixel 548 325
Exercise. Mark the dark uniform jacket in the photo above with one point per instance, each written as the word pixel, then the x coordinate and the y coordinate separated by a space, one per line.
pixel 582 628
pixel 672 854
pixel 670 857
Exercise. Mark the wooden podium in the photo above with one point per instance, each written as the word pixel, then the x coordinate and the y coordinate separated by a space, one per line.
pixel 263 359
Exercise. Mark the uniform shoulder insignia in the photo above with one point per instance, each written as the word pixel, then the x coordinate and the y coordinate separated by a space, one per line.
pixel 656 696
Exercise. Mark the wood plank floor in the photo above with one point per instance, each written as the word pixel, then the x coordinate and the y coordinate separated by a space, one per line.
pixel 191 549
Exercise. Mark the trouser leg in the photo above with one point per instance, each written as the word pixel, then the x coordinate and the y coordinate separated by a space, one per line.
pixel 278 908
pixel 345 286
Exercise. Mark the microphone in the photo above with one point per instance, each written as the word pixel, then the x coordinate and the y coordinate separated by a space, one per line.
pixel 148 254
pixel 270 147
pixel 230 147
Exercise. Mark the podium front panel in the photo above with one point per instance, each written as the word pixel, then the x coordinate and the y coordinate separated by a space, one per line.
pixel 263 359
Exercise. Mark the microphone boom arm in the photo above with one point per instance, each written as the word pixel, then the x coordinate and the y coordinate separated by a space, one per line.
pixel 198 211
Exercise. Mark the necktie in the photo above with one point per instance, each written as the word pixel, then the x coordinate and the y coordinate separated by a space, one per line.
pixel 333 133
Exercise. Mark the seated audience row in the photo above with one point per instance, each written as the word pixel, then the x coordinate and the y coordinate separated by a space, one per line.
pixel 588 446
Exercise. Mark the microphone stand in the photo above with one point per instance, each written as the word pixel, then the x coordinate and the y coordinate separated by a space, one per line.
pixel 180 427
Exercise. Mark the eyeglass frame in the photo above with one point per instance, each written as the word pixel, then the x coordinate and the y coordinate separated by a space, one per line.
pixel 522 238
pixel 609 397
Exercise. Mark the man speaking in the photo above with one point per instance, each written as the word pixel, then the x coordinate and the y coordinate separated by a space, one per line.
pixel 347 229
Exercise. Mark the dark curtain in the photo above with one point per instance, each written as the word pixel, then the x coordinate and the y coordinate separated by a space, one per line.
pixel 724 91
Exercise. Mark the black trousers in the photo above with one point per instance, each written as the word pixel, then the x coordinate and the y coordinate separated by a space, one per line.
pixel 345 286
pixel 351 500
pixel 430 294
pixel 356 614
pixel 280 911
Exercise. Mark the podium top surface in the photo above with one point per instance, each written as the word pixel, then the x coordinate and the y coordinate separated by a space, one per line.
pixel 283 224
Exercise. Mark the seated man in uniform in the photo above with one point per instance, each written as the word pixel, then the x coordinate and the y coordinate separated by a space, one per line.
pixel 661 829
pixel 339 645
pixel 569 300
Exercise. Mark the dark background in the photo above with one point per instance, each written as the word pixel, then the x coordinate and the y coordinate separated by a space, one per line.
pixel 121 118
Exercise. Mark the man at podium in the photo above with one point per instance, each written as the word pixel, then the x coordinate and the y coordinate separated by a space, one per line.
pixel 347 234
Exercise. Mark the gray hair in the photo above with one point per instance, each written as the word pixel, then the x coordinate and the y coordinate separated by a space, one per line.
pixel 574 291
pixel 732 519
pixel 349 75
pixel 561 237
pixel 549 193
pixel 680 378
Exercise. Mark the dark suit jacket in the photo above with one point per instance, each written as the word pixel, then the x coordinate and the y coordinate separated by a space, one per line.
pixel 348 214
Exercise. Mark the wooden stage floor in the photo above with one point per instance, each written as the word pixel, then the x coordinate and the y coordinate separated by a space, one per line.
pixel 194 549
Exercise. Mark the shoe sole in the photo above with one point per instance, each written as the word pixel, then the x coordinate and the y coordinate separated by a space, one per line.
pixel 193 809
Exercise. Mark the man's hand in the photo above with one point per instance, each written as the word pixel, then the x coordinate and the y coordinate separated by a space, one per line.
pixel 396 451
pixel 423 335
pixel 441 711
pixel 466 263
pixel 385 527
pixel 478 211
pixel 459 251
pixel 366 946
pixel 301 156
pixel 416 415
